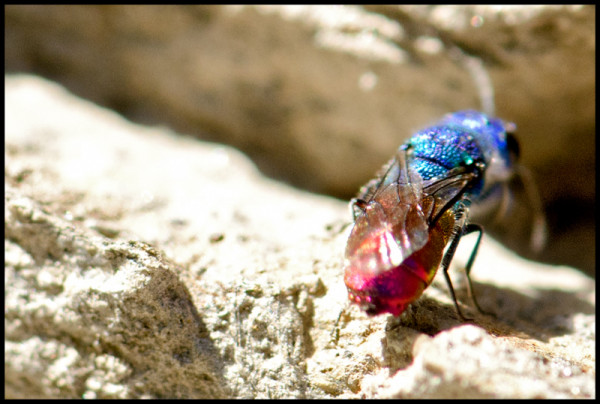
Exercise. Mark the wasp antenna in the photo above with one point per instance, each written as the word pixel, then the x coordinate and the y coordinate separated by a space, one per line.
pixel 505 202
pixel 539 233
pixel 480 76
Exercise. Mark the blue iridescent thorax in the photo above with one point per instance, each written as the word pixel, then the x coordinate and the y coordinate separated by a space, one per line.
pixel 460 139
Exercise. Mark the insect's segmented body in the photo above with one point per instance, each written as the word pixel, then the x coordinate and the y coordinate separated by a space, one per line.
pixel 418 205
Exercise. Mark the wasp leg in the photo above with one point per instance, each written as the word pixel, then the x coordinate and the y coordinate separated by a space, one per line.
pixel 470 228
pixel 446 264
pixel 357 206
pixel 470 174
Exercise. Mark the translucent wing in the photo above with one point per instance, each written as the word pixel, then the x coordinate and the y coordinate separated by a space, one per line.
pixel 396 211
pixel 395 172
pixel 442 193
pixel 436 195
pixel 389 223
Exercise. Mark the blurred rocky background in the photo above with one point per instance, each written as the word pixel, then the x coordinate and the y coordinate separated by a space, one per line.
pixel 321 96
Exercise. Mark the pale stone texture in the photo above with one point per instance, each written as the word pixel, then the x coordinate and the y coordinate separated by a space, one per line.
pixel 145 264
pixel 321 96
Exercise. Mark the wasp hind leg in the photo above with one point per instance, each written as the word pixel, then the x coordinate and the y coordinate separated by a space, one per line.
pixel 470 228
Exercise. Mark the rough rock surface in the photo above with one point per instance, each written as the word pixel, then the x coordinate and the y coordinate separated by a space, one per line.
pixel 321 96
pixel 145 264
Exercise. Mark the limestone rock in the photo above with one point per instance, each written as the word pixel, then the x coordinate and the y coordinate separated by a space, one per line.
pixel 145 264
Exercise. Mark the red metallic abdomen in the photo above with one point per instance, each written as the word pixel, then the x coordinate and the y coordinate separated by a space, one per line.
pixel 392 290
